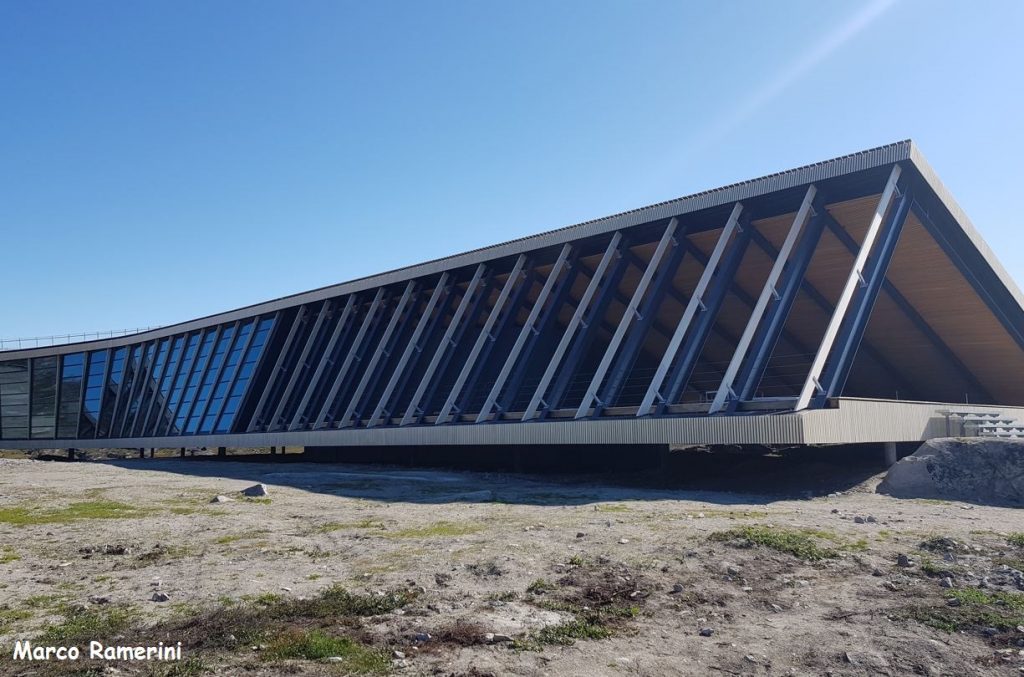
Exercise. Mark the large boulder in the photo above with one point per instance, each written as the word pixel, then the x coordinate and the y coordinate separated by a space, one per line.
pixel 975 469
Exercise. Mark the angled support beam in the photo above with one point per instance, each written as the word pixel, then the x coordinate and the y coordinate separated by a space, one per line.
pixel 668 239
pixel 257 413
pixel 501 329
pixel 412 347
pixel 813 386
pixel 724 279
pixel 190 352
pixel 911 313
pixel 413 412
pixel 725 390
pixel 770 330
pixel 138 373
pixel 541 333
pixel 382 350
pixel 612 251
pixel 346 364
pixel 325 361
pixel 485 335
pixel 282 401
pixel 173 356
pixel 695 303
pixel 525 333
pixel 838 365
pixel 646 320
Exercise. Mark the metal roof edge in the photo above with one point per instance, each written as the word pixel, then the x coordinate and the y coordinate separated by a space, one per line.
pixel 819 171
pixel 949 202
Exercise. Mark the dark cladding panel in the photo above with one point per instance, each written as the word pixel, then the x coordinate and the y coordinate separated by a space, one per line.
pixel 71 372
pixel 14 399
pixel 44 397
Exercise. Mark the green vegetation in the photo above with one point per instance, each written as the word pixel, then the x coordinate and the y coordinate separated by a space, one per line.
pixel 82 625
pixel 317 645
pixel 436 530
pixel 1016 539
pixel 539 587
pixel 340 526
pixel 7 554
pixel 976 609
pixel 563 634
pixel 83 510
pixel 9 616
pixel 800 543
pixel 611 507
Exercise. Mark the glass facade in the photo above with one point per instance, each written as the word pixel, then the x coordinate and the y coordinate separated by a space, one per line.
pixel 189 383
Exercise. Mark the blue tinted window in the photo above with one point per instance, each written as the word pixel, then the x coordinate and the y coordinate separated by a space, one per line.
pixel 158 408
pixel 237 392
pixel 72 372
pixel 227 376
pixel 110 394
pixel 93 394
pixel 167 427
pixel 198 368
pixel 209 376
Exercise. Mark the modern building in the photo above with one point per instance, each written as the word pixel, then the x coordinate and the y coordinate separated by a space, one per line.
pixel 846 301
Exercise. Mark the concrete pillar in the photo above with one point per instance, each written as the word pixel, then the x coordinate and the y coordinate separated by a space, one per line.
pixel 284 450
pixel 152 452
pixel 890 454
pixel 142 452
pixel 222 451
pixel 273 450
pixel 71 454
pixel 182 452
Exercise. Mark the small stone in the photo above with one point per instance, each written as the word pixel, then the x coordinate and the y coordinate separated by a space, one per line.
pixel 904 561
pixel 422 637
pixel 160 597
pixel 835 511
pixel 220 498
pixel 870 519
pixel 946 582
pixel 706 632
pixel 776 608
pixel 990 632
pixel 858 520
pixel 877 572
pixel 256 490
pixel 397 654
pixel 99 599
pixel 889 585
pixel 495 638
pixel 677 588
pixel 953 602
pixel 623 541
pixel 334 659
pixel 1020 629
pixel 580 534
pixel 442 580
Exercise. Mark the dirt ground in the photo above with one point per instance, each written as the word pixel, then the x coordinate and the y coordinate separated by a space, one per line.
pixel 569 575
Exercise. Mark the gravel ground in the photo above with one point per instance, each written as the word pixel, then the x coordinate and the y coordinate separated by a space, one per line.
pixel 683 582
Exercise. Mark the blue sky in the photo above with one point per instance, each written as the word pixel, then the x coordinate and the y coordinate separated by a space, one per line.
pixel 161 161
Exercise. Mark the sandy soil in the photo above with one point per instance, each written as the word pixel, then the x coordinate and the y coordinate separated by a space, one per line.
pixel 511 555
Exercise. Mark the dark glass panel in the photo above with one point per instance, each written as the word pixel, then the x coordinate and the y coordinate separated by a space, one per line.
pixel 142 377
pixel 226 378
pixel 14 400
pixel 93 394
pixel 111 390
pixel 44 397
pixel 131 368
pixel 209 377
pixel 71 372
pixel 167 424
pixel 159 406
pixel 198 369
pixel 245 372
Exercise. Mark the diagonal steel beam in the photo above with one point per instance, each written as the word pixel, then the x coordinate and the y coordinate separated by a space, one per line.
pixel 668 239
pixel 412 347
pixel 325 361
pixel 525 332
pixel 485 335
pixel 812 384
pixel 257 413
pixel 381 351
pixel 696 302
pixel 413 410
pixel 282 401
pixel 353 350
pixel 908 309
pixel 768 292
pixel 537 401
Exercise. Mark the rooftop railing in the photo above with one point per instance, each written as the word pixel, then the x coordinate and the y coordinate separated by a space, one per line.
pixel 62 339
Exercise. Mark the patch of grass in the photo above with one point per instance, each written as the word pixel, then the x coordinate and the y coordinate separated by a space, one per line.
pixel 563 634
pixel 576 561
pixel 506 596
pixel 978 609
pixel 83 510
pixel 245 535
pixel 82 625
pixel 797 542
pixel 1016 539
pixel 731 514
pixel 44 601
pixel 9 616
pixel 317 645
pixel 255 499
pixel 612 507
pixel 8 554
pixel 189 667
pixel 314 577
pixel 344 526
pixel 539 587
pixel 436 530
pixel 161 553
